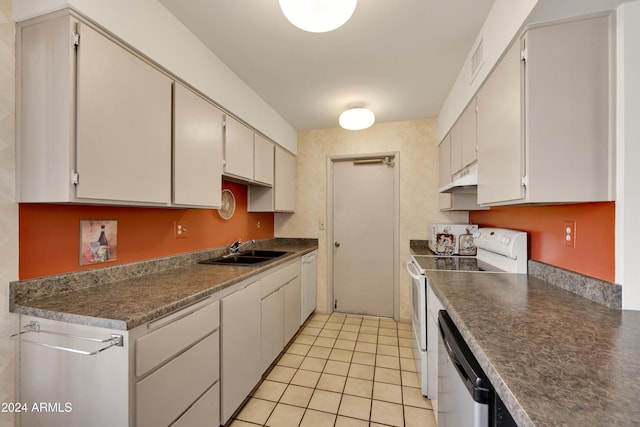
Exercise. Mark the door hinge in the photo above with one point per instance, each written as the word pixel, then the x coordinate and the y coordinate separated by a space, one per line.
pixel 525 181
pixel 523 54
pixel 75 177
pixel 76 39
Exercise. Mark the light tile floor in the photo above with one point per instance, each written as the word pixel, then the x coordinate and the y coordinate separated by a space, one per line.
pixel 342 370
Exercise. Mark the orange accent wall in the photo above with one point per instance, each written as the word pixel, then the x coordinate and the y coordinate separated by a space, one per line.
pixel 595 234
pixel 49 235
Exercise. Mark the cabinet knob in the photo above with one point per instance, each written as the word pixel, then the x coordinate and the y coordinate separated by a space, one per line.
pixel 336 244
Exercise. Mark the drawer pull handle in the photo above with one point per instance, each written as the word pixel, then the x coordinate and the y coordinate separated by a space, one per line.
pixel 34 327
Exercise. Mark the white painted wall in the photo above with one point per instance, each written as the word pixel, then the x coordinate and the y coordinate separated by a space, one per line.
pixel 150 28
pixel 628 154
pixel 8 209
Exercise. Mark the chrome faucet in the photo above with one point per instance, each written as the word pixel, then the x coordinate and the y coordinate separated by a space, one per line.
pixel 235 247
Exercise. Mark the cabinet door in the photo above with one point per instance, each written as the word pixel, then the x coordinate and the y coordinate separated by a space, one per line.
pixel 45 113
pixel 272 327
pixel 263 160
pixel 291 308
pixel 204 412
pixel 123 124
pixel 165 394
pixel 456 138
pixel 197 150
pixel 241 359
pixel 285 181
pixel 238 149
pixel 500 144
pixel 569 74
pixel 444 152
pixel 468 150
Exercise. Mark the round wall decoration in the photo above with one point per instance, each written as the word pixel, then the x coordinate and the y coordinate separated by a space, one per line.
pixel 228 204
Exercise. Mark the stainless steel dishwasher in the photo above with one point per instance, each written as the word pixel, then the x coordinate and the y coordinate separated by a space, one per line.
pixel 465 395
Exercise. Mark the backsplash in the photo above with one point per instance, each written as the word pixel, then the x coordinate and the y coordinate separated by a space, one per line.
pixel 49 235
pixel 600 291
pixel 594 252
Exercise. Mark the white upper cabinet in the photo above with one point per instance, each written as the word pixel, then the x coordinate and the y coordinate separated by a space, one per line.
pixel 197 150
pixel 282 196
pixel 97 123
pixel 249 157
pixel 545 117
pixel 123 122
pixel 500 146
pixel 263 160
pixel 93 119
pixel 238 149
pixel 285 181
pixel 444 160
pixel 463 139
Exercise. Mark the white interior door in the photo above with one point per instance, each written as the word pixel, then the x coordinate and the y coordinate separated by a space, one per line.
pixel 363 233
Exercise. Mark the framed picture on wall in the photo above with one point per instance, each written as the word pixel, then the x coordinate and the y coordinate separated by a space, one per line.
pixel 98 241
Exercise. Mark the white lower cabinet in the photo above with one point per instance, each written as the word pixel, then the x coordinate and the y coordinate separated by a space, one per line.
pixel 205 412
pixel 272 331
pixel 292 307
pixel 280 310
pixel 193 367
pixel 176 364
pixel 163 396
pixel 241 355
pixel 157 377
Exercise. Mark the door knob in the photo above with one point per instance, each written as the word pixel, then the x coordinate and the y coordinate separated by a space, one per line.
pixel 337 244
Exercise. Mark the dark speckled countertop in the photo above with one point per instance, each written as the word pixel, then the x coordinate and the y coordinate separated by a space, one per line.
pixel 135 294
pixel 555 358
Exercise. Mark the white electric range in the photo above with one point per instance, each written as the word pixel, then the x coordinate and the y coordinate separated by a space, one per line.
pixel 499 250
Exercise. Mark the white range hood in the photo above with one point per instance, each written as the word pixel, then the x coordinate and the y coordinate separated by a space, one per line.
pixel 465 181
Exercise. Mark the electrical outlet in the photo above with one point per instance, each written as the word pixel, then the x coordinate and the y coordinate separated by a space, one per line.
pixel 570 234
pixel 181 229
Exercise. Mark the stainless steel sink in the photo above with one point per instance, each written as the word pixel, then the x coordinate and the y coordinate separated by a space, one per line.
pixel 246 258
pixel 263 253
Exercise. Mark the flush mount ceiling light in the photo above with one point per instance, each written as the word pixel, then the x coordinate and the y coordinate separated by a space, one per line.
pixel 357 118
pixel 318 16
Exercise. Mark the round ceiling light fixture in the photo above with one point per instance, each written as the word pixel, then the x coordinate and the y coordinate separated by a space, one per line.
pixel 318 16
pixel 357 118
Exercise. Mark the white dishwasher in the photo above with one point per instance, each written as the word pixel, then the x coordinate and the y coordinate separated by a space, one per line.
pixel 308 285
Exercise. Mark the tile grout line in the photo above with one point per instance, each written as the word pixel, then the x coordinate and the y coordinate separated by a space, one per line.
pixel 306 356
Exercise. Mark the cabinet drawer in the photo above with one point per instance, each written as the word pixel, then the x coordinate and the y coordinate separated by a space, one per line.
pixel 205 412
pixel 278 278
pixel 174 333
pixel 165 394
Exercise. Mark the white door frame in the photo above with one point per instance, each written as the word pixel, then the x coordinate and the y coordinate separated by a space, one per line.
pixel 396 224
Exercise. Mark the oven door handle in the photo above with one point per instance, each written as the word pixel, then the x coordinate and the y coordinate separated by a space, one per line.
pixel 412 271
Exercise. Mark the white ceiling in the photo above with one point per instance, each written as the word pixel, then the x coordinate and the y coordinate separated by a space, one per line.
pixel 396 57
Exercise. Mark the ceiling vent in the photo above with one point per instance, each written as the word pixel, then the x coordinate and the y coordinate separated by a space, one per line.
pixel 477 60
